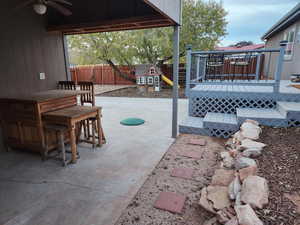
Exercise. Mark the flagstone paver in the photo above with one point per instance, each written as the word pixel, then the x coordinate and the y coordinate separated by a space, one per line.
pixel 170 201
pixel 186 173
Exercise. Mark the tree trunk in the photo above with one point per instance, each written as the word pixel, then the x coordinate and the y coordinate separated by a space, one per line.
pixel 119 72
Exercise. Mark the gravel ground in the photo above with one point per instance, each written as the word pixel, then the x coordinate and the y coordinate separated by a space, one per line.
pixel 280 165
pixel 141 211
pixel 134 93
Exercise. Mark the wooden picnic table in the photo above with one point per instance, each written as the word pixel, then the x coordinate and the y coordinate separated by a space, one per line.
pixel 21 118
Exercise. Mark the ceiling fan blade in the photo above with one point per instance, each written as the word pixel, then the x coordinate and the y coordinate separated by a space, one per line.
pixel 24 4
pixel 61 9
pixel 63 2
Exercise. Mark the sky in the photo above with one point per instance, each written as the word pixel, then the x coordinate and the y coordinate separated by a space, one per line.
pixel 248 20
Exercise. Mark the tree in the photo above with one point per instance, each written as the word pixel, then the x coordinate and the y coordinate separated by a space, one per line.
pixel 202 27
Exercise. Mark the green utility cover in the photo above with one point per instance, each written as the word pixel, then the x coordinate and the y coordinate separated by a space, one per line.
pixel 132 122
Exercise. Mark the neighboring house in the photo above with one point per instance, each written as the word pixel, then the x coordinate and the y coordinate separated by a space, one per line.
pixel 287 28
pixel 243 48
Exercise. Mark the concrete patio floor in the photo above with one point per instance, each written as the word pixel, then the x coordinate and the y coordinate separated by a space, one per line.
pixel 97 189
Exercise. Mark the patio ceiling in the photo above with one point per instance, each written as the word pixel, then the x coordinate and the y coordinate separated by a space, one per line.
pixel 112 15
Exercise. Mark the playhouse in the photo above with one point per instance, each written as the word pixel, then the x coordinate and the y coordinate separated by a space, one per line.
pixel 148 77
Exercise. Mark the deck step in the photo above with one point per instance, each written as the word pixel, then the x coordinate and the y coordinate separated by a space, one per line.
pixel 192 125
pixel 288 107
pixel 267 117
pixel 220 121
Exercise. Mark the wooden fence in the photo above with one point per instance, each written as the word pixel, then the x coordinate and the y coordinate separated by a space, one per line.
pixel 105 75
pixel 101 74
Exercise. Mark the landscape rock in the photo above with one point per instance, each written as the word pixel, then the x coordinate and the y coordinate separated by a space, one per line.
pixel 244 162
pixel 248 144
pixel 233 221
pixel 225 215
pixel 252 152
pixel 218 195
pixel 247 216
pixel 230 144
pixel 212 221
pixel 255 192
pixel 246 172
pixel 204 202
pixel 238 137
pixel 250 131
pixel 222 177
pixel 238 199
pixel 228 161
pixel 234 188
pixel 252 121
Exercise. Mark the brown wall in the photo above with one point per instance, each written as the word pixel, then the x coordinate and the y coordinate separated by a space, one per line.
pixel 290 66
pixel 26 49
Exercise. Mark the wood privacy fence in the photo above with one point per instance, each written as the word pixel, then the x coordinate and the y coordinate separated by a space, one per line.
pixel 101 74
pixel 105 75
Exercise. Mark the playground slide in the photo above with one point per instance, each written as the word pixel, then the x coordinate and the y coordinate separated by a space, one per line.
pixel 167 80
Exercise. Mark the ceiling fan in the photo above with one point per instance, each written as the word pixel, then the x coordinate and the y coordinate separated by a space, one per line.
pixel 40 6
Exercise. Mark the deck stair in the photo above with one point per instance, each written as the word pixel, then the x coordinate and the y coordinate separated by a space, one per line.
pixel 285 114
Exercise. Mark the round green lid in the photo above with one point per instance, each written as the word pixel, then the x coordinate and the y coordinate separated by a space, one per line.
pixel 132 122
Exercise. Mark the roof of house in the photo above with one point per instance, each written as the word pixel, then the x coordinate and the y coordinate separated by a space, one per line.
pixel 290 18
pixel 248 47
pixel 143 69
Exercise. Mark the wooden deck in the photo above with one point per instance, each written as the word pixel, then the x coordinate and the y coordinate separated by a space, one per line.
pixel 248 87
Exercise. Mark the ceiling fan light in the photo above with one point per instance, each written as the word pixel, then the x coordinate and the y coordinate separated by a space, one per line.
pixel 40 8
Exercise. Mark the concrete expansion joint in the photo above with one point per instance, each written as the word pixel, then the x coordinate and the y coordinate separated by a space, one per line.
pixel 48 182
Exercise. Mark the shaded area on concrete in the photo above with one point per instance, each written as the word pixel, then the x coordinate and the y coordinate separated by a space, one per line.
pixel 102 183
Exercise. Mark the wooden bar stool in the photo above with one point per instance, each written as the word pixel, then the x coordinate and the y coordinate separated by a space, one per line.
pixel 90 125
pixel 66 85
pixel 60 131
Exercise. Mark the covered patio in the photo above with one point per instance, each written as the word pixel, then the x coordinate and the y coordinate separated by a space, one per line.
pixel 35 57
pixel 100 186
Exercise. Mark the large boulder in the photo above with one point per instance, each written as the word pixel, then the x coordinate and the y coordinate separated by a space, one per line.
pixel 247 216
pixel 246 172
pixel 238 137
pixel 244 162
pixel 255 192
pixel 222 177
pixel 227 160
pixel 252 152
pixel 218 196
pixel 204 202
pixel 250 144
pixel 250 130
pixel 234 188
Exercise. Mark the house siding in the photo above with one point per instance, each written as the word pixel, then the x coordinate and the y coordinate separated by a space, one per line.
pixel 290 66
pixel 26 49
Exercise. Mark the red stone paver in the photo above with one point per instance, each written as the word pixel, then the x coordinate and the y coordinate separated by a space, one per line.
pixel 186 173
pixel 170 201
pixel 197 141
pixel 192 154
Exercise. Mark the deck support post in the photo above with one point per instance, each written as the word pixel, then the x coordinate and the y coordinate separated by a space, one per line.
pixel 279 66
pixel 188 70
pixel 175 81
pixel 66 55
